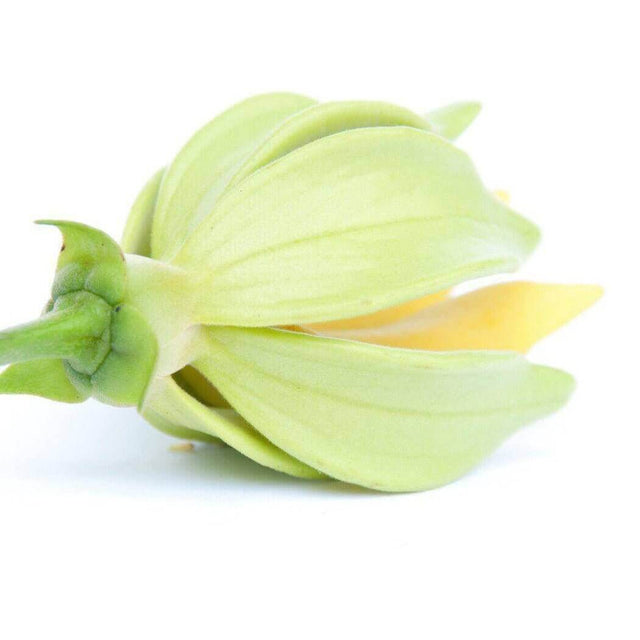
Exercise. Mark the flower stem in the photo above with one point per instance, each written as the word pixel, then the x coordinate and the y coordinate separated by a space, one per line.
pixel 69 334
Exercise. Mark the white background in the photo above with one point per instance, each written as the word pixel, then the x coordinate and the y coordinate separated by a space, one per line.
pixel 106 533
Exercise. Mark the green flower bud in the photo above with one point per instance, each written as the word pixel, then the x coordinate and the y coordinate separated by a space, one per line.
pixel 285 289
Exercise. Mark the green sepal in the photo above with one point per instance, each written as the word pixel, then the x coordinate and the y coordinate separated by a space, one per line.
pixel 104 346
pixel 44 378
pixel 126 371
pixel 90 260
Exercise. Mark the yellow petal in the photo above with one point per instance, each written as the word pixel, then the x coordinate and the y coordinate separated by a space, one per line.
pixel 385 316
pixel 512 316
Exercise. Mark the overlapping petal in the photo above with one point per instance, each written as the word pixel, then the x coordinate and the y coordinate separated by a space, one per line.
pixel 380 318
pixel 512 315
pixel 311 122
pixel 136 237
pixel 322 120
pixel 390 419
pixel 348 225
pixel 385 418
pixel 167 401
pixel 203 168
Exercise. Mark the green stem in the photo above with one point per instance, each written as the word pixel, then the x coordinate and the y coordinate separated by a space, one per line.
pixel 69 334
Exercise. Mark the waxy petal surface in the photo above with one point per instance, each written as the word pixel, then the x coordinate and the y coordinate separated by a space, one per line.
pixel 202 170
pixel 512 315
pixel 388 419
pixel 307 125
pixel 168 401
pixel 347 225
pixel 323 120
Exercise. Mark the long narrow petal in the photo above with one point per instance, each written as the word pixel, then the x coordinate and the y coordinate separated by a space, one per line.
pixel 167 401
pixel 347 225
pixel 513 315
pixel 392 314
pixel 175 429
pixel 306 126
pixel 309 124
pixel 389 419
pixel 137 232
pixel 452 120
pixel 203 168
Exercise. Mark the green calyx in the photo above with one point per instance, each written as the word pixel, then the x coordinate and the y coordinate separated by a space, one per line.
pixel 90 341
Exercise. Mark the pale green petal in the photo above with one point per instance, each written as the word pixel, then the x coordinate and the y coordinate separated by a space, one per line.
pixel 137 232
pixel 170 403
pixel 389 419
pixel 201 171
pixel 323 120
pixel 175 430
pixel 452 120
pixel 303 127
pixel 347 225
pixel 45 378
